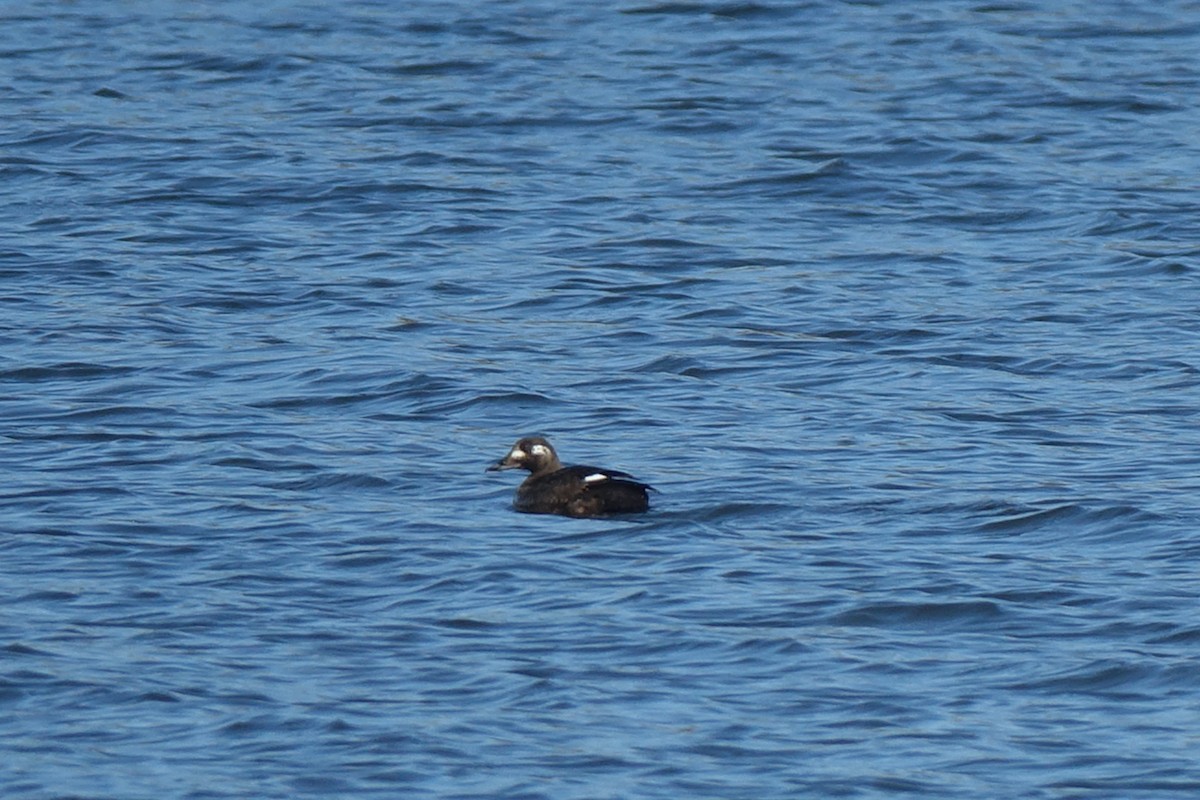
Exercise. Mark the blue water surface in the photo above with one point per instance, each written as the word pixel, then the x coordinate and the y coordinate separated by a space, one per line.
pixel 895 303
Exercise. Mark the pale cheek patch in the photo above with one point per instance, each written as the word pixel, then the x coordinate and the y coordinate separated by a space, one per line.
pixel 539 450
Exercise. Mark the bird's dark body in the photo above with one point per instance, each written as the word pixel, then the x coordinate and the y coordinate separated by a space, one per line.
pixel 565 492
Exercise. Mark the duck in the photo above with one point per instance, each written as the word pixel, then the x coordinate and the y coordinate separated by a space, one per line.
pixel 574 491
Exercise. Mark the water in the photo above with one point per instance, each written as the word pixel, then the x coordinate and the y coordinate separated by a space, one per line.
pixel 895 304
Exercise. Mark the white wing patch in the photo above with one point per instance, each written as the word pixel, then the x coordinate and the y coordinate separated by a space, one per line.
pixel 595 477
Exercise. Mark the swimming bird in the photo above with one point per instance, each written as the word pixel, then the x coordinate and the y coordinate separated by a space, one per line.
pixel 576 491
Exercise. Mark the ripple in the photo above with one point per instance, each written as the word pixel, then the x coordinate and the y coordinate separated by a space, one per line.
pixel 924 615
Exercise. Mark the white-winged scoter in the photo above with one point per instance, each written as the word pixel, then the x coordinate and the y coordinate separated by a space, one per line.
pixel 577 491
